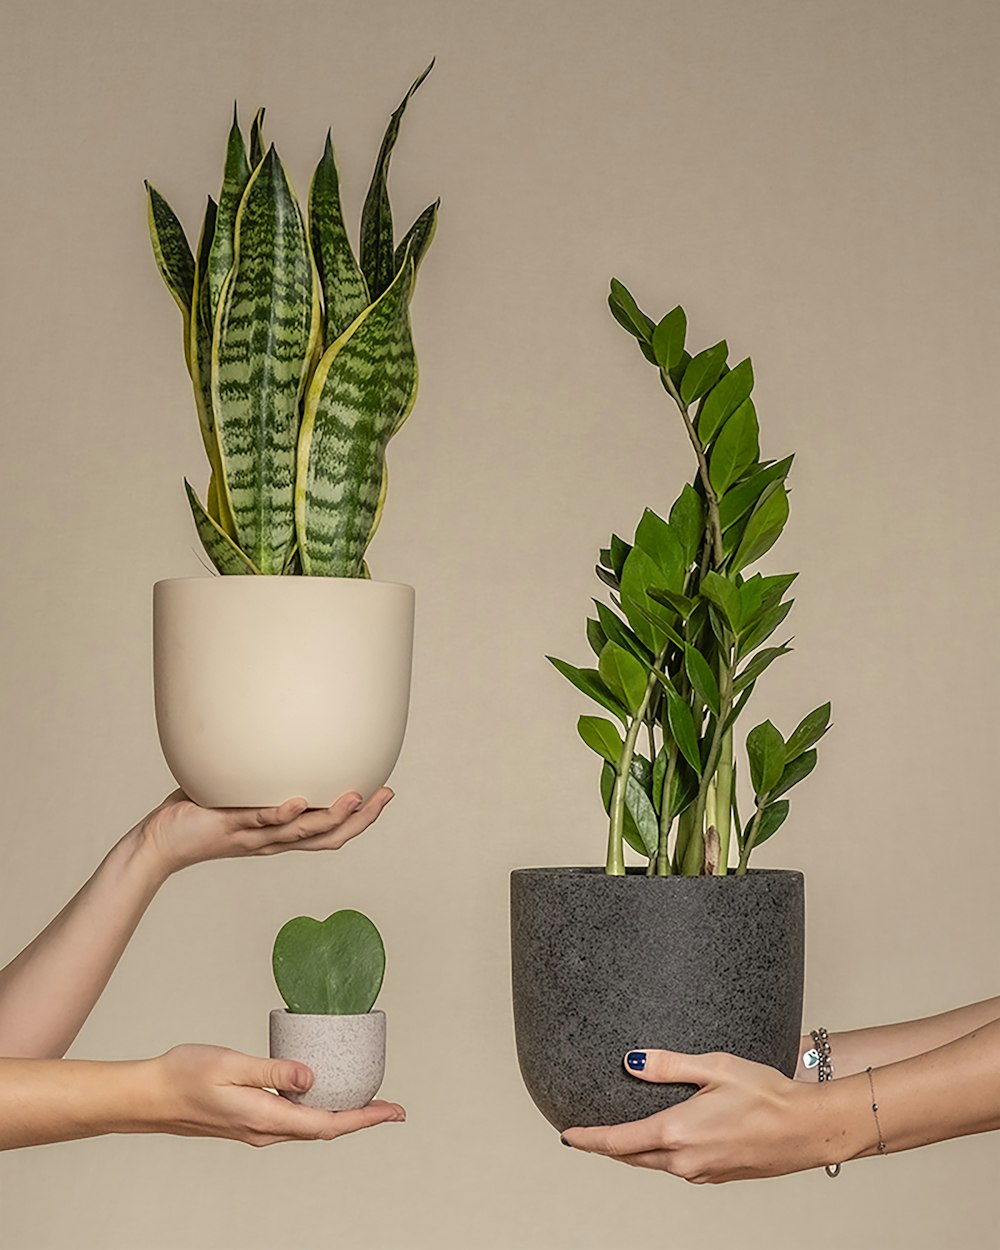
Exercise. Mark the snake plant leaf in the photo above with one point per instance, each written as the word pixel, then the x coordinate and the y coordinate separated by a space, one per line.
pixel 377 253
pixel 200 334
pixel 331 967
pixel 172 251
pixel 360 394
pixel 345 292
pixel 265 334
pixel 221 550
pixel 257 139
pixel 418 237
pixel 234 180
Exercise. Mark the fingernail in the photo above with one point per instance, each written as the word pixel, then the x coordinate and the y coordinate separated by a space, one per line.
pixel 566 1143
pixel 391 796
pixel 355 803
pixel 636 1060
pixel 300 1079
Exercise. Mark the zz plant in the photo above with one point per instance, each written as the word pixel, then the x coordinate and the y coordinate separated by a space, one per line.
pixel 680 651
pixel 301 357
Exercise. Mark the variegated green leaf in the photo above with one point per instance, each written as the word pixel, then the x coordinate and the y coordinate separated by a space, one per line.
pixel 377 254
pixel 234 181
pixel 173 254
pixel 359 396
pixel 257 139
pixel 418 237
pixel 221 550
pixel 265 333
pixel 345 292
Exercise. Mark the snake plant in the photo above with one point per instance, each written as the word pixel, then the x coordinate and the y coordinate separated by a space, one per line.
pixel 300 354
pixel 681 650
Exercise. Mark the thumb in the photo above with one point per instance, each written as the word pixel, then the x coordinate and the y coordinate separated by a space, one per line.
pixel 672 1066
pixel 280 1074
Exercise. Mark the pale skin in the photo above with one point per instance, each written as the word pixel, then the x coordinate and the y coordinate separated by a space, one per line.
pixel 49 989
pixel 934 1079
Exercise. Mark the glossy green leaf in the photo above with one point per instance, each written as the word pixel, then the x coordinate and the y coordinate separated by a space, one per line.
pixel 762 629
pixel 653 623
pixel 703 372
pixel 680 604
pixel 332 967
pixel 736 448
pixel 658 540
pixel 265 333
pixel 601 736
pixel 361 393
pixel 590 683
pixel 726 597
pixel 619 553
pixel 682 729
pixel 770 821
pixel 740 499
pixel 627 312
pixel 234 181
pixel 808 731
pixel 687 520
pixel 764 527
pixel 766 754
pixel 774 587
pixel 596 636
pixel 668 339
pixel 637 781
pixel 702 679
pixel 761 661
pixel 623 675
pixel 794 772
pixel 615 629
pixel 378 261
pixel 345 292
pixel 723 399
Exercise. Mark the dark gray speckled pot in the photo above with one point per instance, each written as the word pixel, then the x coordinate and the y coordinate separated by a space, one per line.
pixel 602 965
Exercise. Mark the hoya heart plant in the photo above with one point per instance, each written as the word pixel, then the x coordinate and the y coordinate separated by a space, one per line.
pixel 331 967
pixel 300 353
pixel 680 649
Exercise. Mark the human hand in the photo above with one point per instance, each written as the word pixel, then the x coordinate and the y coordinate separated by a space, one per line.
pixel 180 832
pixel 746 1121
pixel 209 1091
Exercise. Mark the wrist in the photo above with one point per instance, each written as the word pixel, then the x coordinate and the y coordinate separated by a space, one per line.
pixel 838 1120
pixel 144 852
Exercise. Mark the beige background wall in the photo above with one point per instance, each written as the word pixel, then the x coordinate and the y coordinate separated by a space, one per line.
pixel 815 180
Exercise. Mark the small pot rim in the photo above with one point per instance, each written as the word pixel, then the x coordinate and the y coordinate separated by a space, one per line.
pixel 327 1015
pixel 283 578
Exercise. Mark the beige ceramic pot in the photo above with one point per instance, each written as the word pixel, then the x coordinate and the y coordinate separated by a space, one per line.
pixel 271 687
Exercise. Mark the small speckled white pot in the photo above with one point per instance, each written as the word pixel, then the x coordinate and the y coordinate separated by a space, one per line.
pixel 346 1053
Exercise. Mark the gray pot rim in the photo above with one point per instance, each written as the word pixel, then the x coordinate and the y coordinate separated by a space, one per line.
pixel 327 1015
pixel 637 873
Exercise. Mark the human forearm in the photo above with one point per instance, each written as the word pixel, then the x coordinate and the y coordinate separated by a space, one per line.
pixel 52 1100
pixel 47 992
pixel 854 1050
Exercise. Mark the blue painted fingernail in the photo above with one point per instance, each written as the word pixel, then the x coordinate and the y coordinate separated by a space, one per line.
pixel 566 1143
pixel 636 1060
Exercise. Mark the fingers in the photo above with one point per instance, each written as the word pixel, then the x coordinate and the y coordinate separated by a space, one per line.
pixel 286 1074
pixel 282 1121
pixel 672 1066
pixel 326 828
pixel 621 1139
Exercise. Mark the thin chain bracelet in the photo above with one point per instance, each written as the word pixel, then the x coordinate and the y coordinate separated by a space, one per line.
pixel 819 1057
pixel 881 1141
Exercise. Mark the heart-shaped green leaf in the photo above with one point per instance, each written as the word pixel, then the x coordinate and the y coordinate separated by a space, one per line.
pixel 331 967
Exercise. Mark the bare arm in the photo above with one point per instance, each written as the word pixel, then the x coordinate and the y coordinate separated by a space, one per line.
pixel 191 1091
pixel 856 1049
pixel 48 991
pixel 748 1121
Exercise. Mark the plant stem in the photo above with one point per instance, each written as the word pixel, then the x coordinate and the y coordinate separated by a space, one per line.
pixel 751 836
pixel 685 831
pixel 615 863
pixel 666 820
pixel 724 804
pixel 699 451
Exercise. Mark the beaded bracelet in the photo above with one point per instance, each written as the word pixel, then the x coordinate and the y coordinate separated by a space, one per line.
pixel 819 1057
